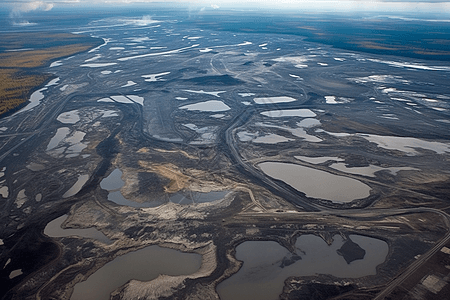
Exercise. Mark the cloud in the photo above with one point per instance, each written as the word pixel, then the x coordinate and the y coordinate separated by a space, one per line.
pixel 25 7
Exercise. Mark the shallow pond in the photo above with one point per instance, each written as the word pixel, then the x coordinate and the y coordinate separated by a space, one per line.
pixel 272 100
pixel 316 183
pixel 82 179
pixel 53 229
pixel 266 264
pixel 144 265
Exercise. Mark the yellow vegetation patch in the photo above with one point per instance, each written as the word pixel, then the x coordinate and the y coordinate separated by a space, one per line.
pixel 15 87
pixel 37 58
pixel 16 81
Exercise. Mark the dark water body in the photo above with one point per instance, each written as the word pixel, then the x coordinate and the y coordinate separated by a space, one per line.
pixel 267 264
pixel 144 265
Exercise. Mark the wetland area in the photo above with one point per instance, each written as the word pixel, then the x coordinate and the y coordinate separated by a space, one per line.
pixel 224 162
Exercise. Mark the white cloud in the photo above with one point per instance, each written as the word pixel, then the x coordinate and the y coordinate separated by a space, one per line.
pixel 24 7
pixel 438 6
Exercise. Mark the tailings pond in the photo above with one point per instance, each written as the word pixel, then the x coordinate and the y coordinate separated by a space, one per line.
pixel 316 183
pixel 53 229
pixel 144 265
pixel 266 264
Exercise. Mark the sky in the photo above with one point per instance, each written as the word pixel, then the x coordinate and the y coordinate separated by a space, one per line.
pixel 19 7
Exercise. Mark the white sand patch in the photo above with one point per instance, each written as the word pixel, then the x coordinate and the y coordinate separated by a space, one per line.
pixel 272 100
pixel 330 100
pixel 98 65
pixel 302 112
pixel 157 53
pixel 296 76
pixel 411 65
pixel 52 82
pixel 97 56
pixel 70 117
pixel 292 59
pixel 154 77
pixel 245 136
pixel 137 99
pixel 216 94
pixel 129 83
pixel 140 39
pixel 271 138
pixel 308 123
pixel 337 100
pixel 217 116
pixel 210 106
pixel 380 79
pixel 35 100
pixel 56 64
pixel 105 42
pixel 246 94
pixel 399 99
pixel 105 100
